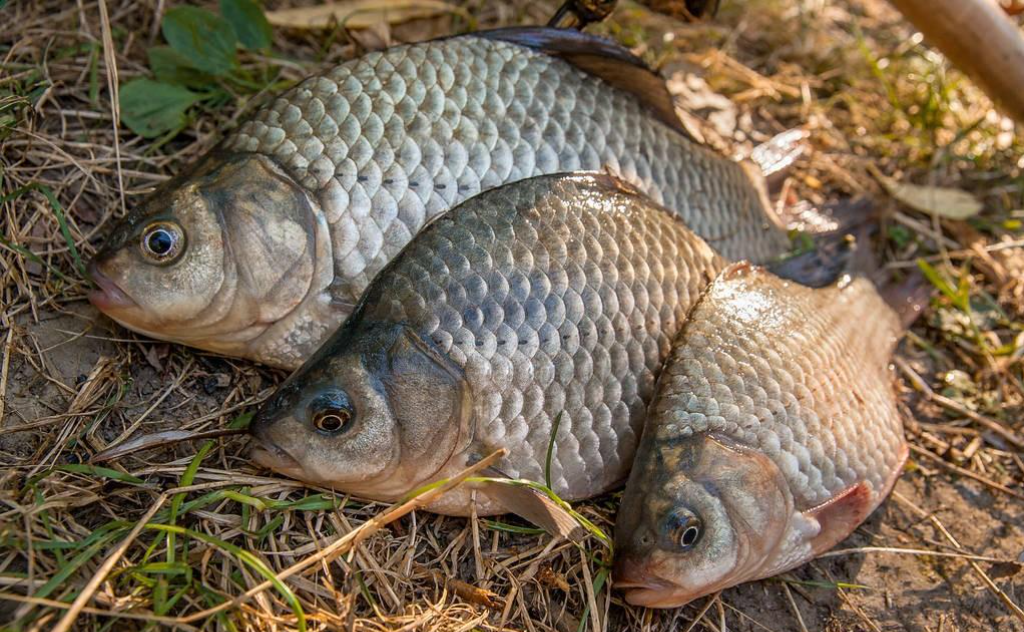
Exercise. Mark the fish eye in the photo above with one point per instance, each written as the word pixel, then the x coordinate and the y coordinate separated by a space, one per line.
pixel 331 421
pixel 687 531
pixel 162 242
pixel 331 413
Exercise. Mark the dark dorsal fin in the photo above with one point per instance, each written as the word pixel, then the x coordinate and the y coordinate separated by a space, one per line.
pixel 601 58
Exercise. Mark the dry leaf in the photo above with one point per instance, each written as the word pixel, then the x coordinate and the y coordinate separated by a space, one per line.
pixel 160 439
pixel 360 14
pixel 548 576
pixel 476 595
pixel 942 201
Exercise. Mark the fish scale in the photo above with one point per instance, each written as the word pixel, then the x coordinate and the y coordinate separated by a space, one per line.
pixel 825 430
pixel 774 432
pixel 587 448
pixel 556 297
pixel 280 229
pixel 392 139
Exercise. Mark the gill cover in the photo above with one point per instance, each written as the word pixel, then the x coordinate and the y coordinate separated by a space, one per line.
pixel 736 498
pixel 411 408
pixel 248 240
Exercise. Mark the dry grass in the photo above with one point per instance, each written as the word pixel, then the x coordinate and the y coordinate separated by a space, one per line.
pixel 187 535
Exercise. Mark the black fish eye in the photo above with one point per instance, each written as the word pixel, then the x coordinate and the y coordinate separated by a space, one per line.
pixel 686 530
pixel 330 414
pixel 331 421
pixel 162 242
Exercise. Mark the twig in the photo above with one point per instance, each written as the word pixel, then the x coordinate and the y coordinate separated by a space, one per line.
pixel 110 61
pixel 588 587
pixel 792 604
pixel 53 603
pixel 347 541
pixel 998 592
pixel 955 406
pixel 704 610
pixel 3 371
pixel 980 39
pixel 963 472
pixel 896 550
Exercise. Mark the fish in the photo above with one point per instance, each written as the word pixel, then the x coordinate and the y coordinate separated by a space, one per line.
pixel 532 317
pixel 263 247
pixel 773 434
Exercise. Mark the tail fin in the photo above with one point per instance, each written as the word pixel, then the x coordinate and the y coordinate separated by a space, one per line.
pixel 908 298
pixel 840 244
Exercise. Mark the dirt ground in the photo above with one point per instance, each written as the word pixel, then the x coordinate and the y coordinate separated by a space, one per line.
pixel 943 554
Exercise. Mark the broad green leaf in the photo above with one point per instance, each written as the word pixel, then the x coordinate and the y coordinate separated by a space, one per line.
pixel 151 108
pixel 247 19
pixel 203 38
pixel 170 66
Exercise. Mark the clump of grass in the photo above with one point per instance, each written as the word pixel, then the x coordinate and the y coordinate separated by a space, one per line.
pixel 874 95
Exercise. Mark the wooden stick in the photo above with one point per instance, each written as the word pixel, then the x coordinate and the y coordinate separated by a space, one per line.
pixel 981 40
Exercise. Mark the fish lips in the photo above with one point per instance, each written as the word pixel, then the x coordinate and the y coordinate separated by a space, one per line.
pixel 271 456
pixel 107 296
pixel 643 589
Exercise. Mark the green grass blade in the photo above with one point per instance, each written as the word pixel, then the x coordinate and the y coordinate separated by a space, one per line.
pixel 551 449
pixel 102 472
pixel 58 212
pixel 247 558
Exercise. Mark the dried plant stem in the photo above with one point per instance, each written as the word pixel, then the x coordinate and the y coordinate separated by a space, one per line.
pixel 964 472
pixel 101 573
pixel 957 407
pixel 991 585
pixel 5 365
pixel 349 540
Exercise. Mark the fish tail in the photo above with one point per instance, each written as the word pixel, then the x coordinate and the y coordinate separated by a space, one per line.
pixel 908 297
pixel 841 245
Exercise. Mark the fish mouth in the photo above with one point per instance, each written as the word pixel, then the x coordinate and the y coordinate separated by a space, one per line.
pixel 653 595
pixel 273 457
pixel 107 296
pixel 641 587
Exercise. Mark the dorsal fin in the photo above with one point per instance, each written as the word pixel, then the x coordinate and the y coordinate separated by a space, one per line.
pixel 601 58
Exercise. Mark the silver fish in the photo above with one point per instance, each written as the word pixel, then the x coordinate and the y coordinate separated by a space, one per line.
pixel 554 298
pixel 773 434
pixel 262 248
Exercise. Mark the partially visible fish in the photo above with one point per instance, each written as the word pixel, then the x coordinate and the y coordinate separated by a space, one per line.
pixel 263 247
pixel 550 301
pixel 773 434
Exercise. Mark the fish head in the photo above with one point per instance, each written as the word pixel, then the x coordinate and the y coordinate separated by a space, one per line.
pixel 377 411
pixel 213 258
pixel 703 515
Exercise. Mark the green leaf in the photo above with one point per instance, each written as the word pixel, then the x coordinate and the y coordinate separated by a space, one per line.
pixel 170 66
pixel 512 528
pixel 247 19
pixel 164 568
pixel 203 38
pixel 151 108
pixel 104 472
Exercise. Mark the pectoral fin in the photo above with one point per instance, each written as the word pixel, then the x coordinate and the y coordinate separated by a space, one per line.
pixel 839 516
pixel 536 507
